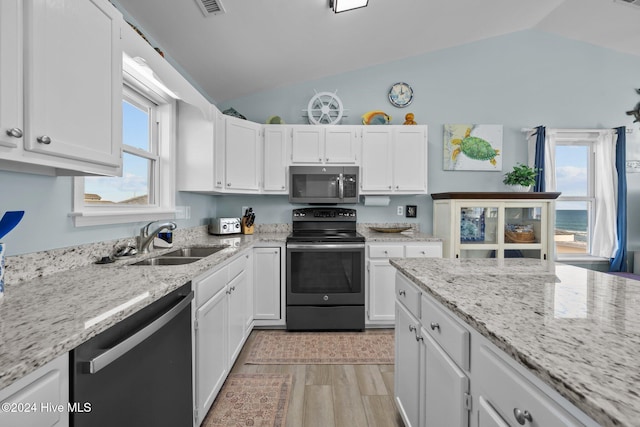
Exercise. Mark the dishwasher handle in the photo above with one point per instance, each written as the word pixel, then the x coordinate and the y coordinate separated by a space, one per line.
pixel 114 353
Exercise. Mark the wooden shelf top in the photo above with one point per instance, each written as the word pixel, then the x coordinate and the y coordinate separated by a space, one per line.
pixel 480 195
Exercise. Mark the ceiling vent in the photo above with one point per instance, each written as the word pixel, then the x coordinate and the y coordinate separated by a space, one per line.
pixel 212 7
pixel 635 3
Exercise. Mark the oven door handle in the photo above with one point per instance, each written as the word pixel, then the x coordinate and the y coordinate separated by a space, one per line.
pixel 114 353
pixel 325 246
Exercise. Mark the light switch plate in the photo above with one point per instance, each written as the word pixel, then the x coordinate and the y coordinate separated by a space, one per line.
pixel 400 210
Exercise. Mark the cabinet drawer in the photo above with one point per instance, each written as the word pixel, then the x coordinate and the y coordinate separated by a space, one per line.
pixel 424 251
pixel 408 295
pixel 237 267
pixel 447 332
pixel 508 391
pixel 386 251
pixel 210 285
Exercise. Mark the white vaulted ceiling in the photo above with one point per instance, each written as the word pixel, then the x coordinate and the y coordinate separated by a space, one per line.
pixel 258 45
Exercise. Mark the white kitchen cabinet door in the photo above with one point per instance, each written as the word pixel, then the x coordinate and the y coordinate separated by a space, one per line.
pixel 445 387
pixel 212 366
pixel 382 277
pixel 48 384
pixel 73 83
pixel 249 295
pixel 195 149
pixel 220 131
pixel 340 144
pixel 11 120
pixel 242 154
pixel 410 159
pixel 376 169
pixel 274 166
pixel 487 416
pixel 407 367
pixel 307 144
pixel 267 283
pixel 237 291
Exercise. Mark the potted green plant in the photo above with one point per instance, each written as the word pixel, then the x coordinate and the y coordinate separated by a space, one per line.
pixel 521 178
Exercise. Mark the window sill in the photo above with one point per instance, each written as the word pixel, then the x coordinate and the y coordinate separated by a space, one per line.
pixel 580 258
pixel 102 217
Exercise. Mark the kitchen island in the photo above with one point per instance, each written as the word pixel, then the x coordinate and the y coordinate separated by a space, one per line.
pixel 575 330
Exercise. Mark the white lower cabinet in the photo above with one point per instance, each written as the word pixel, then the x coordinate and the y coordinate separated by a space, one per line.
pixel 222 322
pixel 267 285
pixel 407 366
pixel 381 275
pixel 448 374
pixel 35 400
pixel 445 387
pixel 211 365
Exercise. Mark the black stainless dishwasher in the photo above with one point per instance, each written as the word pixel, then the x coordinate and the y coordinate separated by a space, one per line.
pixel 138 372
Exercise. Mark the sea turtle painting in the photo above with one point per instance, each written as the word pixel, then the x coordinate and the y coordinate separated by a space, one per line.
pixel 474 148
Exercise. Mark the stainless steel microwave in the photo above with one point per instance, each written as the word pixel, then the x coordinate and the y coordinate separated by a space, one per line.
pixel 323 184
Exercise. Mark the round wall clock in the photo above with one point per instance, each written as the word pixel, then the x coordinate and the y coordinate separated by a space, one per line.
pixel 400 94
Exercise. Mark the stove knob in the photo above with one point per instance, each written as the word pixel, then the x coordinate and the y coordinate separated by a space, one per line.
pixel 326 297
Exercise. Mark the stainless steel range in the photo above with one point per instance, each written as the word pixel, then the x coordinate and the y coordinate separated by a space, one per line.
pixel 325 271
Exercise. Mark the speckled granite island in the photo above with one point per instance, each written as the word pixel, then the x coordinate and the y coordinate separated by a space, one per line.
pixel 576 330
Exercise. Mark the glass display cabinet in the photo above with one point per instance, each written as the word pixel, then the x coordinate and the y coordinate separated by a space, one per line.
pixel 495 225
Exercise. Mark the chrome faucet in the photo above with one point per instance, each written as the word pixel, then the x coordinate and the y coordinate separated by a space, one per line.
pixel 145 238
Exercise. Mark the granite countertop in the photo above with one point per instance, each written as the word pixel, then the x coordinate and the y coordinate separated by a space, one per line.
pixel 60 301
pixel 577 330
pixel 45 317
pixel 406 236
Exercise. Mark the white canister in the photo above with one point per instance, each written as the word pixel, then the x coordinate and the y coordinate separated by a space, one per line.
pixel 2 247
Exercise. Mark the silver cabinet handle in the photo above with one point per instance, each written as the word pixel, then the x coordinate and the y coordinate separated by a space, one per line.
pixel 522 416
pixel 412 328
pixel 419 338
pixel 228 184
pixel 402 292
pixel 15 132
pixel 111 355
pixel 44 140
pixel 434 326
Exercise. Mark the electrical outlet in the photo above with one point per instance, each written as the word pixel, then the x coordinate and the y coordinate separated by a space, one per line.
pixel 400 210
pixel 244 210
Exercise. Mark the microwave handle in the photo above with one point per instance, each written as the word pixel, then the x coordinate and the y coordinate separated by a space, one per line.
pixel 341 186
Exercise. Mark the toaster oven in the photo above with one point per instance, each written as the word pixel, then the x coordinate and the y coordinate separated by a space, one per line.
pixel 221 226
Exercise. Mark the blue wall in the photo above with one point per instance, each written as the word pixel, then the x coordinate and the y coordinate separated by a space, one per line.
pixel 517 80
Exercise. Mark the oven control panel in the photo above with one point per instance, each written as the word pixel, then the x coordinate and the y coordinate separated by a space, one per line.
pixel 324 214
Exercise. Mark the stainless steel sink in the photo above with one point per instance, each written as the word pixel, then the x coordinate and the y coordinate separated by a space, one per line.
pixel 182 256
pixel 167 261
pixel 197 252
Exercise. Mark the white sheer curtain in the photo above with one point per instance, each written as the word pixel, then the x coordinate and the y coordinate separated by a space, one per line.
pixel 604 241
pixel 604 237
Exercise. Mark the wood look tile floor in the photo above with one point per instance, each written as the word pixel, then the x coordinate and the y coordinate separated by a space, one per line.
pixel 334 395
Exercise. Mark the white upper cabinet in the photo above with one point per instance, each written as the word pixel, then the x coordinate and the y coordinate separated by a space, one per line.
pixel 242 155
pixel 274 162
pixel 73 85
pixel 324 144
pixel 394 160
pixel 11 121
pixel 195 149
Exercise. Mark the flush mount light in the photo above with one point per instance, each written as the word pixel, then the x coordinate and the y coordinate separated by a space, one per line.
pixel 344 5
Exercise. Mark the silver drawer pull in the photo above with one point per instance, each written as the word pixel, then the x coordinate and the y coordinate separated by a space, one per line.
pixel 44 140
pixel 434 326
pixel 412 328
pixel 419 338
pixel 402 292
pixel 15 132
pixel 522 416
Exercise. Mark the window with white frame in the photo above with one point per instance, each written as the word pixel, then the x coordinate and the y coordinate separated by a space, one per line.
pixel 575 208
pixel 145 191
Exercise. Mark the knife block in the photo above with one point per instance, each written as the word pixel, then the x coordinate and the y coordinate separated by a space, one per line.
pixel 245 229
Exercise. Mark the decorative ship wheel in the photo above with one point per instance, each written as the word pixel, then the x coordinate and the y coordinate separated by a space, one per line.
pixel 325 108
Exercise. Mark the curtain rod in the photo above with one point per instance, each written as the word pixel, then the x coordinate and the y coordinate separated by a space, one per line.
pixel 628 130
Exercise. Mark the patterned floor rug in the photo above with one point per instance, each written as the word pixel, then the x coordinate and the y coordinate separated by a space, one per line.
pixel 259 400
pixel 373 347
